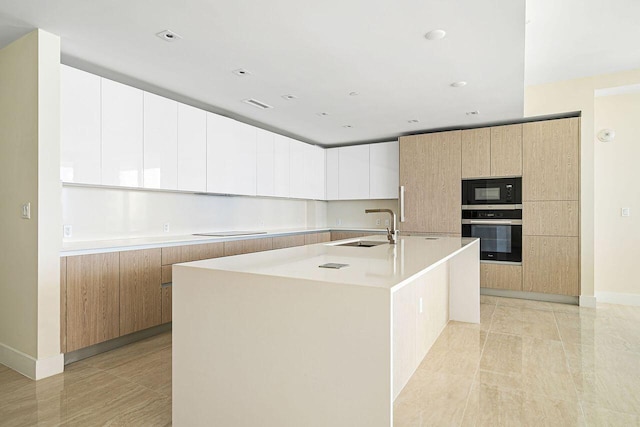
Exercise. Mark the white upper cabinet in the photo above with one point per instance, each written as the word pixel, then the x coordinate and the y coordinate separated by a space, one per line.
pixel 297 175
pixel 265 167
pixel 281 166
pixel 316 167
pixel 192 148
pixel 122 144
pixel 383 170
pixel 353 172
pixel 231 156
pixel 333 159
pixel 160 142
pixel 80 138
pixel 307 172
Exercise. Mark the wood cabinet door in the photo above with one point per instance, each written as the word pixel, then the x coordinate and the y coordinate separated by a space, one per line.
pixel 430 171
pixel 140 290
pixel 93 305
pixel 166 303
pixel 288 241
pixel 551 160
pixel 551 265
pixel 238 247
pixel 501 276
pixel 506 150
pixel 63 305
pixel 476 153
pixel 551 218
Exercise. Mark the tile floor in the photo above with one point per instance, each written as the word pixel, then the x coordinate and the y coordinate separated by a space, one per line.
pixel 530 363
pixel 527 363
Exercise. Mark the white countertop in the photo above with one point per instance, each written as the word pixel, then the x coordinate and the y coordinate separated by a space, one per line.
pixel 385 266
pixel 136 243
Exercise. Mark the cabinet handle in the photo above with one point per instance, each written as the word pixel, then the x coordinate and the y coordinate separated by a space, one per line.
pixel 402 203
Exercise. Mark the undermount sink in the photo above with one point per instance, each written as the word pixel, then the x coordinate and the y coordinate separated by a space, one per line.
pixel 363 243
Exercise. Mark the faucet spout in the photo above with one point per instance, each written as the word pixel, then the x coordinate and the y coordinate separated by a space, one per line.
pixel 391 233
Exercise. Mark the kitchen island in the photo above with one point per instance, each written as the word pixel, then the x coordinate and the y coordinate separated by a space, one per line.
pixel 272 339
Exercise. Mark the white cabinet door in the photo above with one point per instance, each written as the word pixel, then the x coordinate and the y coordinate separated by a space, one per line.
pixel 297 169
pixel 122 153
pixel 353 172
pixel 231 156
pixel 192 148
pixel 333 158
pixel 265 158
pixel 80 138
pixel 383 170
pixel 160 142
pixel 317 172
pixel 281 166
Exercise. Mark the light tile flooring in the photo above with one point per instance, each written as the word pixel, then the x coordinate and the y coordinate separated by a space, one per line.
pixel 530 364
pixel 526 364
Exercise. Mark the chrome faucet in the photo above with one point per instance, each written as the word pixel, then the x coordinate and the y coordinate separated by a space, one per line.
pixel 391 233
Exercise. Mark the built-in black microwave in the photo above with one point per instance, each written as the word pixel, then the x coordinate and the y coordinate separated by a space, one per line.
pixel 491 192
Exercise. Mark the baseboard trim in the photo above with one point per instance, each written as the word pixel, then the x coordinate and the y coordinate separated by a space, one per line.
pixel 618 298
pixel 587 301
pixel 535 296
pixel 103 347
pixel 29 366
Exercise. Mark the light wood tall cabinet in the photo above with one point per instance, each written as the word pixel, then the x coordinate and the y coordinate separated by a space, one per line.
pixel 92 299
pixel 476 152
pixel 430 172
pixel 140 290
pixel 551 264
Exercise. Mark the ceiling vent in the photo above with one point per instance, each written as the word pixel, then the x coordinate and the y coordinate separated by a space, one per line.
pixel 241 72
pixel 257 104
pixel 168 36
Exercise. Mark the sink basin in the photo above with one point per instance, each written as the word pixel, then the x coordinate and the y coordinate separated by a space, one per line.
pixel 363 243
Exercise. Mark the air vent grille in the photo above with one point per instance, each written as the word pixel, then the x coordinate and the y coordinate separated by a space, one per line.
pixel 257 104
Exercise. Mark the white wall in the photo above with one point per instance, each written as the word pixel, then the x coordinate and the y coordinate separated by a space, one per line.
pixel 350 213
pixel 29 173
pixel 616 178
pixel 103 213
pixel 578 95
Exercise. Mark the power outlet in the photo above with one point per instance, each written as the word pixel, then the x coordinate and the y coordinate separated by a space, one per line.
pixel 26 211
pixel 378 221
pixel 67 231
pixel 386 222
pixel 166 227
pixel 626 212
pixel 338 221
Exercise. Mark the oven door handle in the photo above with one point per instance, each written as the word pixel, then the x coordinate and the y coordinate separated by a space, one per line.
pixel 492 222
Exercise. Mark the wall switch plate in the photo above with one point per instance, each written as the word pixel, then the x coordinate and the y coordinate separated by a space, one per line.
pixel 165 227
pixel 338 221
pixel 26 211
pixel 67 231
pixel 626 211
pixel 386 222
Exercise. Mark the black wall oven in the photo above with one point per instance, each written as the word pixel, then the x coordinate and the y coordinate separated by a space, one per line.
pixel 499 231
pixel 492 192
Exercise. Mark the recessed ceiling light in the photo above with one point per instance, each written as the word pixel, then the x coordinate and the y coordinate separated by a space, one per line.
pixel 241 72
pixel 347 126
pixel 257 104
pixel 353 94
pixel 458 84
pixel 435 34
pixel 289 97
pixel 473 113
pixel 323 114
pixel 412 121
pixel 168 36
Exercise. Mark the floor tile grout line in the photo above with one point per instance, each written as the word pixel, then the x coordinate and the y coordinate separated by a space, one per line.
pixel 486 338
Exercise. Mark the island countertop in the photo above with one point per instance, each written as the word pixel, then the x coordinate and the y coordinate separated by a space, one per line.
pixel 384 266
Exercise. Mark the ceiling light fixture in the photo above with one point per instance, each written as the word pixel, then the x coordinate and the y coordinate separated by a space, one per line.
pixel 323 114
pixel 412 121
pixel 435 34
pixel 353 94
pixel 347 126
pixel 168 36
pixel 241 72
pixel 257 104
pixel 473 113
pixel 458 84
pixel 289 97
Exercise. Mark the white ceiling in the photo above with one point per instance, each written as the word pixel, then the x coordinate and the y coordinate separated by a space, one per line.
pixel 567 39
pixel 319 51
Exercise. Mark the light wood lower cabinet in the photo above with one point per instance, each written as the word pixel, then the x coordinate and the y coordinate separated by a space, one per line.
pixel 238 247
pixel 281 242
pixel 551 264
pixel 178 254
pixel 341 235
pixel 140 290
pixel 166 303
pixel 63 305
pixel 93 303
pixel 501 276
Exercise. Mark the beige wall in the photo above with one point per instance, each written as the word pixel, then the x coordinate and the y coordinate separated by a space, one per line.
pixel 616 178
pixel 29 249
pixel 574 95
